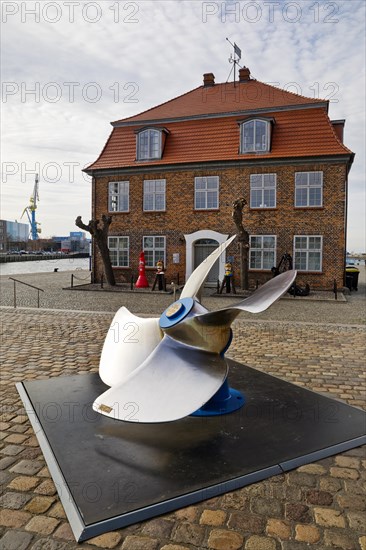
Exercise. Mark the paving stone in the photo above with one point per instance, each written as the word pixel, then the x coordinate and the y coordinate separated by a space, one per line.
pixel 24 483
pixel 15 501
pixel 314 469
pixel 331 484
pixel 173 547
pixel 15 438
pixel 13 518
pixel 344 473
pixel 46 488
pixel 108 540
pixel 260 543
pixel 362 541
pixel 143 543
pixel 42 525
pixel 187 514
pixel 266 507
pixel 329 517
pixel 339 539
pixel 221 539
pixel 64 532
pixel 278 528
pixel 15 540
pixel 322 498
pixel 357 520
pixel 347 462
pixel 12 450
pixel 213 517
pixel 57 511
pixel 39 505
pixel 298 512
pixel 158 528
pixel 307 533
pixel 6 462
pixel 353 502
pixel 299 478
pixel 247 522
pixel 27 467
pixel 49 544
pixel 189 533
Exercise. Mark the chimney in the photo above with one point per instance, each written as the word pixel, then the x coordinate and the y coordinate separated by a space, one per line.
pixel 208 80
pixel 244 74
pixel 338 126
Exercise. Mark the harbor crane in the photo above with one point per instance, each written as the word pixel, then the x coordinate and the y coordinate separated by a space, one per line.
pixel 31 211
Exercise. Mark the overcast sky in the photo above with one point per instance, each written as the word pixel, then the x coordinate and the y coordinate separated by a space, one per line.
pixel 71 67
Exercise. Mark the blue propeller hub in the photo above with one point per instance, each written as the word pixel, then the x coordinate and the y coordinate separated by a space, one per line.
pixel 176 312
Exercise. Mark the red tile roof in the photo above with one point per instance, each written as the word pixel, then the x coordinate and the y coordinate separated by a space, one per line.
pixel 301 132
pixel 224 98
pixel 203 127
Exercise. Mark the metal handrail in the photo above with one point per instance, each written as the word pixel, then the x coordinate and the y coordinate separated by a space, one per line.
pixel 26 284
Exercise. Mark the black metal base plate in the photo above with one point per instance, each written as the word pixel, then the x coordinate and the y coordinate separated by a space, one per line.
pixel 110 474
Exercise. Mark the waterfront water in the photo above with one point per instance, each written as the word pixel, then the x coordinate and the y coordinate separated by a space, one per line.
pixel 44 266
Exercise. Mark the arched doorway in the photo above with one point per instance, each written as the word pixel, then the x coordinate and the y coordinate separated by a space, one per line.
pixel 202 249
pixel 204 234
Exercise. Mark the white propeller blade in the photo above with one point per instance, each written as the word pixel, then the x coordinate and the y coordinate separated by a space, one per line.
pixel 129 341
pixel 198 277
pixel 173 382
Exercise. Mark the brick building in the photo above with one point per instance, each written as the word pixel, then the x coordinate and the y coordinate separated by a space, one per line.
pixel 169 177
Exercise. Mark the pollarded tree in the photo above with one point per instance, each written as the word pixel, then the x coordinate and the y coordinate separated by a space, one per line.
pixel 100 236
pixel 243 238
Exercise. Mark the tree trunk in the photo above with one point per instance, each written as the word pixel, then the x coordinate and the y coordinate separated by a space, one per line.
pixel 243 237
pixel 100 235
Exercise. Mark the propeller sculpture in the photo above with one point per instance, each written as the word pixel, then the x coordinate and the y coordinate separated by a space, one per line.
pixel 172 367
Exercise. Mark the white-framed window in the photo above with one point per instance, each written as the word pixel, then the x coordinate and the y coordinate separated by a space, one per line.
pixel 206 193
pixel 255 136
pixel 119 251
pixel 149 144
pixel 118 196
pixel 308 189
pixel 308 251
pixel 262 251
pixel 154 249
pixel 154 195
pixel 263 190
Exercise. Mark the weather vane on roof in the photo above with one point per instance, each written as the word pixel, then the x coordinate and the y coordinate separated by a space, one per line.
pixel 234 59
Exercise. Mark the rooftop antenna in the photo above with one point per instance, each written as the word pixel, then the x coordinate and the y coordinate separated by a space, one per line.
pixel 234 59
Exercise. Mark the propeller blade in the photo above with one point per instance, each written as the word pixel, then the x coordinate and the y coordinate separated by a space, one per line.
pixel 173 382
pixel 259 301
pixel 129 341
pixel 198 277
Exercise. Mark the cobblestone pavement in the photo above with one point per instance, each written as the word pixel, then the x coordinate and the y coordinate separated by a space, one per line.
pixel 320 505
pixel 327 309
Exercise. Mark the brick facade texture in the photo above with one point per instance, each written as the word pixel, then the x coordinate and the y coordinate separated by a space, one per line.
pixel 181 218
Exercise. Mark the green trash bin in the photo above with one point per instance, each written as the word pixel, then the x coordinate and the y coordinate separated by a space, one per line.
pixel 352 274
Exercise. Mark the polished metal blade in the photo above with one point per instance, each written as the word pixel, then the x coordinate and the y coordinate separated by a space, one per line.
pixel 197 278
pixel 259 301
pixel 129 341
pixel 173 382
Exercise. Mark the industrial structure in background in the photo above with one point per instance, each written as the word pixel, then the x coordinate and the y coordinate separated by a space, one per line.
pixel 13 235
pixel 30 210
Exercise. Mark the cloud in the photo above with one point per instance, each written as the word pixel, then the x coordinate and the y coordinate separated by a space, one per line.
pixel 139 54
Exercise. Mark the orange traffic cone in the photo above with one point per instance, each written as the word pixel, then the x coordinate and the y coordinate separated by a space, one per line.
pixel 142 281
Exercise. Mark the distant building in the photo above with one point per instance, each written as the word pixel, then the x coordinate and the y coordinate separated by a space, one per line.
pixel 74 242
pixel 13 235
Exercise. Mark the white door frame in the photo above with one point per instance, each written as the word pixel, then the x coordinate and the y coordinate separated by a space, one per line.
pixel 191 238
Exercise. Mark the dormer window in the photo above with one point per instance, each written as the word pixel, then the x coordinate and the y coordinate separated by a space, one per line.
pixel 255 136
pixel 150 143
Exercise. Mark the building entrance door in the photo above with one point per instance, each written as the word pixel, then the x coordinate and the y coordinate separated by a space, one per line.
pixel 202 249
